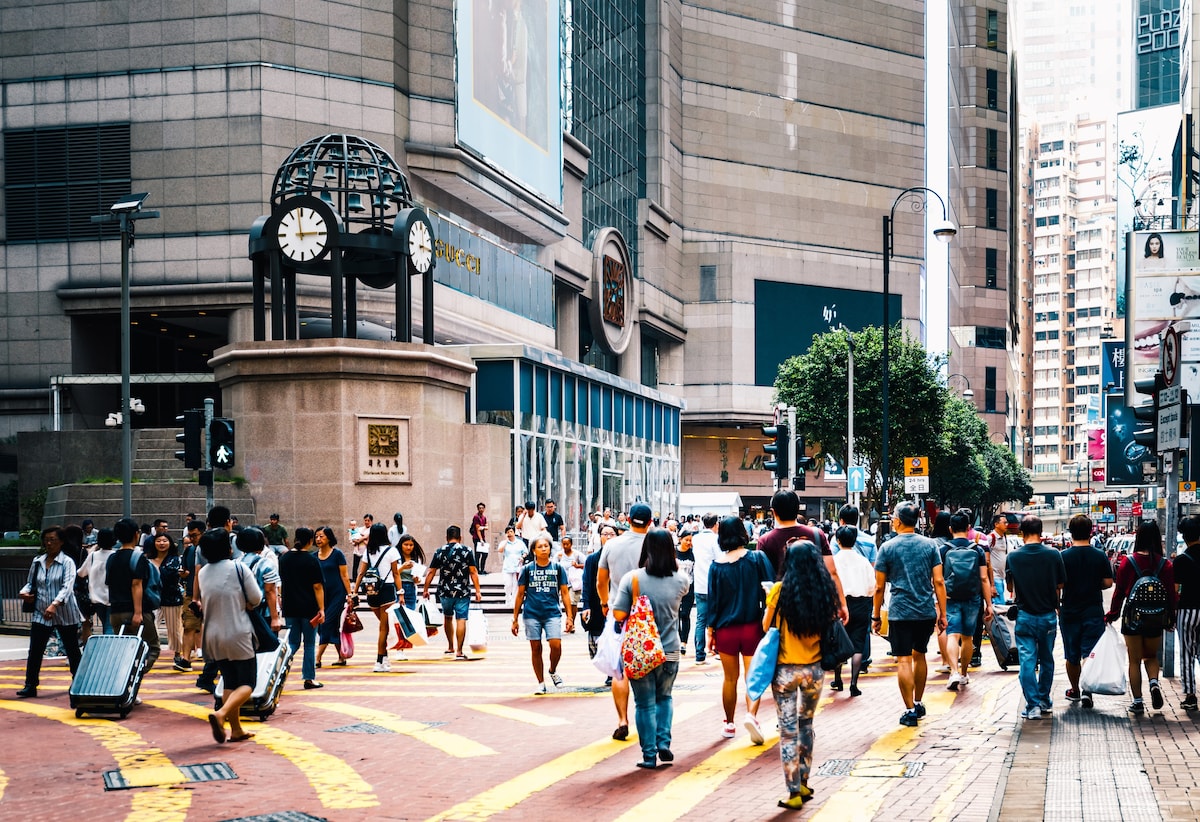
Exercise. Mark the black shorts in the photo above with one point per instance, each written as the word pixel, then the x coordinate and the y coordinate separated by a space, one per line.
pixel 385 594
pixel 238 672
pixel 910 635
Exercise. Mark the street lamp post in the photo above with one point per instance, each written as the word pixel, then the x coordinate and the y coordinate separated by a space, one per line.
pixel 967 394
pixel 918 197
pixel 126 211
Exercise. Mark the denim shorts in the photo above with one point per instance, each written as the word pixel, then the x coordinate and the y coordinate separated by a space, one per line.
pixel 963 616
pixel 456 607
pixel 551 628
pixel 1079 637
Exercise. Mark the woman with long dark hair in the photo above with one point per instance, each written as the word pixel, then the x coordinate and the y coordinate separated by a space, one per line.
pixel 335 580
pixel 1143 639
pixel 735 612
pixel 382 564
pixel 411 555
pixel 802 606
pixel 170 563
pixel 659 579
pixel 50 588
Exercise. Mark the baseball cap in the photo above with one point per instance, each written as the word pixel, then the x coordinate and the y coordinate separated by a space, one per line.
pixel 640 514
pixel 908 513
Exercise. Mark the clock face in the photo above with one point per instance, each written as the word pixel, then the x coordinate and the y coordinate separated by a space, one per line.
pixel 420 246
pixel 303 234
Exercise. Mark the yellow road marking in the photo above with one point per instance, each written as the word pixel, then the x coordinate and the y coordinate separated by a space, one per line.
pixel 3 784
pixel 509 794
pixel 133 757
pixel 860 796
pixel 445 741
pixel 689 789
pixel 337 785
pixel 518 715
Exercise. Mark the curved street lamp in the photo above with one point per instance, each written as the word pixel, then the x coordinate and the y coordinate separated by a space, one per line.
pixel 967 393
pixel 918 197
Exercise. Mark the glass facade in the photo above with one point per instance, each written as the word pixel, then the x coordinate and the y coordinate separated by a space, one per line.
pixel 1156 47
pixel 586 439
pixel 606 99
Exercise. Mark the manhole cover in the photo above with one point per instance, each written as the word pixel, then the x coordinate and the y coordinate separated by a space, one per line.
pixel 280 816
pixel 167 775
pixel 878 768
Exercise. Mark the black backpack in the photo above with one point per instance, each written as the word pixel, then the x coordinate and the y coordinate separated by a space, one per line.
pixel 1146 607
pixel 960 570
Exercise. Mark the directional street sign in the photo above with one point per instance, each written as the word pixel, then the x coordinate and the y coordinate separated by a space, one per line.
pixel 856 479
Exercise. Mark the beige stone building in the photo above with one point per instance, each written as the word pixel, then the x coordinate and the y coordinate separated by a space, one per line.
pixel 640 209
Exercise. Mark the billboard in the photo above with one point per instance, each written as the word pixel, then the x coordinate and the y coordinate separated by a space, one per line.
pixel 1145 177
pixel 787 316
pixel 1123 456
pixel 1163 288
pixel 507 102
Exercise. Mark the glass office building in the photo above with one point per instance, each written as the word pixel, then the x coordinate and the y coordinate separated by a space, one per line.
pixel 582 437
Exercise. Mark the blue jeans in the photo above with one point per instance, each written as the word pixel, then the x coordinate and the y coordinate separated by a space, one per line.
pixel 300 628
pixel 102 615
pixel 701 626
pixel 410 595
pixel 654 708
pixel 1035 646
pixel 998 598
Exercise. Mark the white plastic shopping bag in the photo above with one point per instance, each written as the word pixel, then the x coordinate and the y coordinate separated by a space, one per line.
pixel 477 629
pixel 1104 670
pixel 608 650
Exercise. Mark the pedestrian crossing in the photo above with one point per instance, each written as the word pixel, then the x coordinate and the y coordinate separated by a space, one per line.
pixel 525 753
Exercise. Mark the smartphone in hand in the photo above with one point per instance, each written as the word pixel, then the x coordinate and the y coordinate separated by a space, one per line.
pixel 315 621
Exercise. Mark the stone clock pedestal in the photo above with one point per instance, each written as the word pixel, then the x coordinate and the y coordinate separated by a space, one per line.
pixel 330 429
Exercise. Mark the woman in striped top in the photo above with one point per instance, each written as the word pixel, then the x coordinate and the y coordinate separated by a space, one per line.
pixel 51 588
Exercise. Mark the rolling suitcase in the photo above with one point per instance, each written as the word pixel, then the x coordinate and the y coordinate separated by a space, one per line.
pixel 273 669
pixel 1003 642
pixel 110 673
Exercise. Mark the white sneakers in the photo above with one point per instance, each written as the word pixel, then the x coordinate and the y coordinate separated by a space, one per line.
pixel 955 681
pixel 754 730
pixel 383 667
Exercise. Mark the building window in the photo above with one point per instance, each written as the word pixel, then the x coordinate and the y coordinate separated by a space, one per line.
pixel 993 29
pixel 993 89
pixel 650 347
pixel 990 337
pixel 990 268
pixel 989 388
pixel 992 159
pixel 57 179
pixel 708 283
pixel 993 208
pixel 608 105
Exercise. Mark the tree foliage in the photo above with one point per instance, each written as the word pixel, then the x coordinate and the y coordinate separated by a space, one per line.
pixel 815 383
pixel 926 419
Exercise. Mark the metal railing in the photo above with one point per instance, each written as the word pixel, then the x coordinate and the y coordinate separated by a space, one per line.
pixel 11 581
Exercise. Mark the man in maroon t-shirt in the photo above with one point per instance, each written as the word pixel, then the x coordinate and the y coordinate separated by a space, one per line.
pixel 785 506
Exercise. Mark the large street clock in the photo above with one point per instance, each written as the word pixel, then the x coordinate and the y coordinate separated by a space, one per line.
pixel 305 229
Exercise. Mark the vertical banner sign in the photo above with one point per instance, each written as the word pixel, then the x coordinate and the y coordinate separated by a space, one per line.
pixel 1163 288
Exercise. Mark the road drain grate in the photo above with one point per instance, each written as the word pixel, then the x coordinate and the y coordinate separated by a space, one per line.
pixel 371 728
pixel 879 768
pixel 166 775
pixel 280 816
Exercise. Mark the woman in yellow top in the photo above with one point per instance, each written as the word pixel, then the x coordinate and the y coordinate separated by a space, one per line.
pixel 804 602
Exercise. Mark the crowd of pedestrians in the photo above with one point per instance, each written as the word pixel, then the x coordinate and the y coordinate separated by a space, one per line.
pixel 710 582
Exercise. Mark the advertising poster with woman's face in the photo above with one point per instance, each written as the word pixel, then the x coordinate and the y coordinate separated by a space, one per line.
pixel 1164 288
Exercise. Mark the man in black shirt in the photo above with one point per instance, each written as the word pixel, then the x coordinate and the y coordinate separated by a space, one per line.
pixel 785 507
pixel 128 607
pixel 303 604
pixel 1187 614
pixel 1036 576
pixel 1081 619
pixel 554 520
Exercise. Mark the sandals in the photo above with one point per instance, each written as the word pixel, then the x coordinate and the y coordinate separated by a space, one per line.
pixel 218 728
pixel 341 663
pixel 242 737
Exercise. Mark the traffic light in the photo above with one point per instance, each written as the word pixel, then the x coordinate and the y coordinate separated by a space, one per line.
pixel 220 444
pixel 777 450
pixel 804 463
pixel 193 423
pixel 1146 414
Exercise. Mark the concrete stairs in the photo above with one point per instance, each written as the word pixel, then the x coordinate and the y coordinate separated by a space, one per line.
pixel 162 487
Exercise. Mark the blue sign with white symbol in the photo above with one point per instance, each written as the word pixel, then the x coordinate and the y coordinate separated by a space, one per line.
pixel 856 479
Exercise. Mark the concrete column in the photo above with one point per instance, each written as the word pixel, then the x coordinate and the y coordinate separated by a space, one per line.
pixel 566 310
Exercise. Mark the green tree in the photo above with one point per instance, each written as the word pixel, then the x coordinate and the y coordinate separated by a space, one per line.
pixel 1008 481
pixel 957 471
pixel 815 384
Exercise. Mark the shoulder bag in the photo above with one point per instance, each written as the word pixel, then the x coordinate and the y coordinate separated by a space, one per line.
pixel 642 649
pixel 265 639
pixel 836 646
pixel 761 672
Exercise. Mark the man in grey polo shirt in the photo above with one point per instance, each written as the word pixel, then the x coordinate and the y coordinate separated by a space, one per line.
pixel 911 563
pixel 619 557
